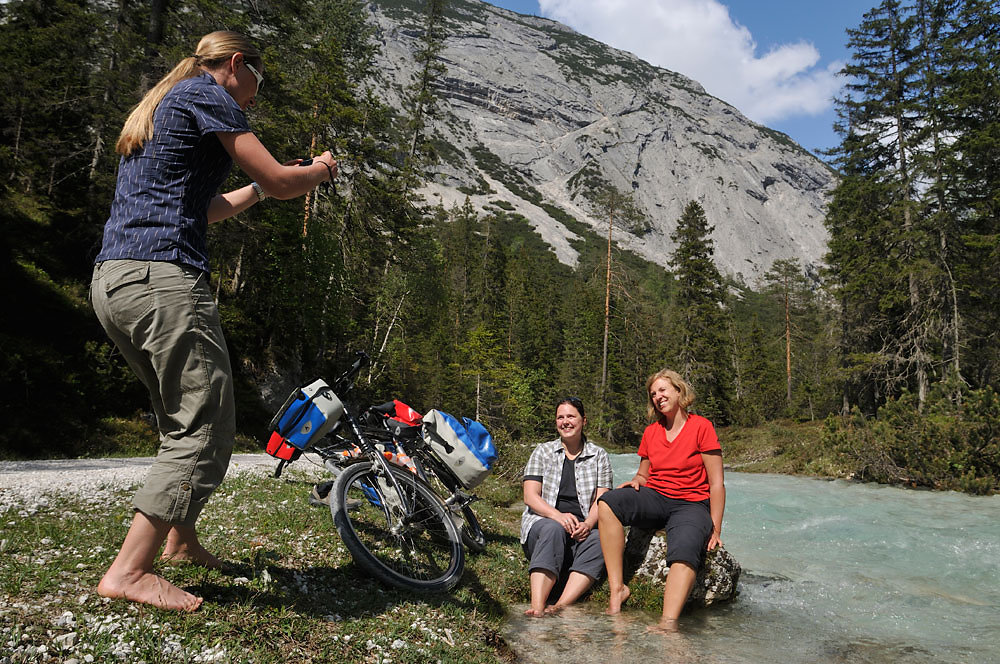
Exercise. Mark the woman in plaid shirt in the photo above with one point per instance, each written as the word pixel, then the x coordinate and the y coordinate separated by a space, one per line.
pixel 562 482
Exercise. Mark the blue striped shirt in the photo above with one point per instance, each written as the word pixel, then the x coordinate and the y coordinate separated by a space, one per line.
pixel 163 190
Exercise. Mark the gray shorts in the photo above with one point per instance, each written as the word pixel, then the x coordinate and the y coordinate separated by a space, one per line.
pixel 164 320
pixel 550 548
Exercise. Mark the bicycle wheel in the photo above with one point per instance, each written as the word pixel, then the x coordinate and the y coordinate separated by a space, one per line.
pixel 420 551
pixel 472 533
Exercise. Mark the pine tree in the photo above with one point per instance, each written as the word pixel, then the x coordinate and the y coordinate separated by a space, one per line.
pixel 697 346
pixel 755 378
pixel 45 137
pixel 620 210
pixel 423 100
pixel 913 222
pixel 787 283
pixel 882 129
pixel 972 88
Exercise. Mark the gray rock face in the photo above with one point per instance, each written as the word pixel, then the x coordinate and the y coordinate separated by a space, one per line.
pixel 535 114
pixel 717 580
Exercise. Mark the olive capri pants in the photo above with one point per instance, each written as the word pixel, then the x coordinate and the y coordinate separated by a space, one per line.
pixel 164 320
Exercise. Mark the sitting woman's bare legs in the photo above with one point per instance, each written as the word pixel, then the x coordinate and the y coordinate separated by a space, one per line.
pixel 613 546
pixel 541 582
pixel 576 585
pixel 680 581
pixel 131 574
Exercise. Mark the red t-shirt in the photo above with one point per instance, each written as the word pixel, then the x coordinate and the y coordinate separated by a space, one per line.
pixel 676 469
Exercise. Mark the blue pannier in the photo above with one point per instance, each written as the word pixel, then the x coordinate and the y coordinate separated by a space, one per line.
pixel 466 447
pixel 307 415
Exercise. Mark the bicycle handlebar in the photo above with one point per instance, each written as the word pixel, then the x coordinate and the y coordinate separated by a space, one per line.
pixel 345 382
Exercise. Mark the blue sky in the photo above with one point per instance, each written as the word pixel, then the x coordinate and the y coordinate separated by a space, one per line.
pixel 775 60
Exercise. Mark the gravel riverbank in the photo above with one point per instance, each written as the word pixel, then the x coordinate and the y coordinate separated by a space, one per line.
pixel 28 484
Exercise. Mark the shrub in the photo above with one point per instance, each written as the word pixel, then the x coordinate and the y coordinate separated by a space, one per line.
pixel 952 444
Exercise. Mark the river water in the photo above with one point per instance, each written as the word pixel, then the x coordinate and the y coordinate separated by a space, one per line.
pixel 832 572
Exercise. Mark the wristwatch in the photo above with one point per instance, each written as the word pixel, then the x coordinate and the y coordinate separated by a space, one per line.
pixel 259 191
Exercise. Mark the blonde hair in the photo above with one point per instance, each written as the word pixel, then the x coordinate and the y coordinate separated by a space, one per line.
pixel 686 392
pixel 213 49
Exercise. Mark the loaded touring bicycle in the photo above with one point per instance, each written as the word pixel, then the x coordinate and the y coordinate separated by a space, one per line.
pixel 400 499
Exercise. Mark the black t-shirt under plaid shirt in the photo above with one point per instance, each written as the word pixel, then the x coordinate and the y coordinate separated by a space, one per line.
pixel 592 469
pixel 163 190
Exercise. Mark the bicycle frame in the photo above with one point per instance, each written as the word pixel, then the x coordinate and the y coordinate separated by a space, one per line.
pixel 371 451
pixel 341 387
pixel 350 432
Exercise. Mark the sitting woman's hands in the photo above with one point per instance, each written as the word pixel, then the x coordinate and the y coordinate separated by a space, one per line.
pixel 581 532
pixel 640 477
pixel 569 522
pixel 634 483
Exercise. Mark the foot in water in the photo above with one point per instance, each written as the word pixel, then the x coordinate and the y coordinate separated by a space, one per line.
pixel 147 588
pixel 666 626
pixel 618 600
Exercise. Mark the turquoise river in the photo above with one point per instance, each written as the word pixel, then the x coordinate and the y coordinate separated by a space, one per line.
pixel 833 571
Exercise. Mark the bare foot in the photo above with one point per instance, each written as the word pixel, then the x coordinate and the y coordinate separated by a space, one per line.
pixel 617 600
pixel 534 613
pixel 554 609
pixel 195 554
pixel 148 588
pixel 665 626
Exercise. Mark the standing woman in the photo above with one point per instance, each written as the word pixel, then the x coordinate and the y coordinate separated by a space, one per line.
pixel 562 482
pixel 679 487
pixel 151 292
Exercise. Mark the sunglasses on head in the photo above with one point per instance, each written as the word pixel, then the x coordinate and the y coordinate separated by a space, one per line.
pixel 576 402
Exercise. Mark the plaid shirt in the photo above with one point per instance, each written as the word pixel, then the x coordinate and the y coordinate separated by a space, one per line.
pixel 592 470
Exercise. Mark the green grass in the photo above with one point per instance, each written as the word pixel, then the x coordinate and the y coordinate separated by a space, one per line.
pixel 792 448
pixel 294 594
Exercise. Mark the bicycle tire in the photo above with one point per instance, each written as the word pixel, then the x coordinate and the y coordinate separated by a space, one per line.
pixel 473 536
pixel 424 555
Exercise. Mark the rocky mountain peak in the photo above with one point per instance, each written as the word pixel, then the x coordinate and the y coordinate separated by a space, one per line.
pixel 533 117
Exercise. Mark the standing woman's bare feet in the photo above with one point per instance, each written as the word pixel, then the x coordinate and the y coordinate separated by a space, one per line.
pixel 617 600
pixel 147 588
pixel 182 546
pixel 196 555
pixel 131 573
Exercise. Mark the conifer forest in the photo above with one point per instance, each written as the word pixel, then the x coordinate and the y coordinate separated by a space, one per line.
pixel 893 343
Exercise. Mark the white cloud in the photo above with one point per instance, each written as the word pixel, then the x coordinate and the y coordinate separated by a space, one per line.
pixel 699 39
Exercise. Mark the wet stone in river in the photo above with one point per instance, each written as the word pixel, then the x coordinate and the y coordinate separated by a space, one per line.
pixel 717 580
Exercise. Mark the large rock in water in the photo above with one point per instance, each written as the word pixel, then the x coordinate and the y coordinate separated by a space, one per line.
pixel 646 555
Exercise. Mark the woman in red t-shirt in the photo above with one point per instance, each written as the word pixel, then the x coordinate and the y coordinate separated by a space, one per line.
pixel 679 487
